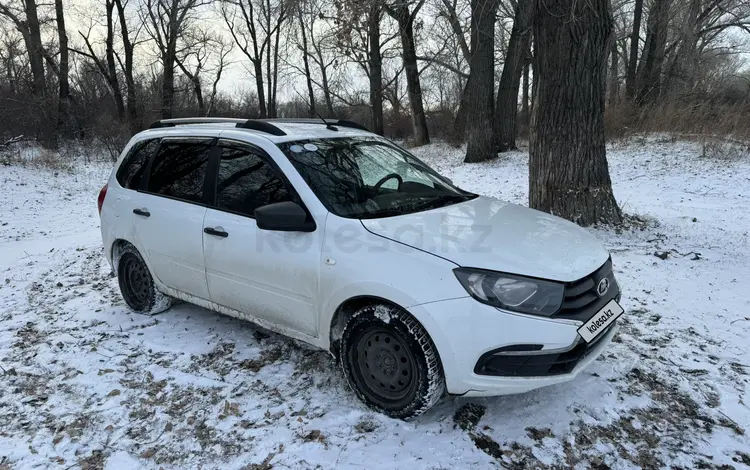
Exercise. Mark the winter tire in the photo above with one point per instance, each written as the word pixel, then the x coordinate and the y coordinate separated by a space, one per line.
pixel 390 362
pixel 137 285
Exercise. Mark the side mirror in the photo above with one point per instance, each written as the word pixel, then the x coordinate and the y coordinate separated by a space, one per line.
pixel 283 217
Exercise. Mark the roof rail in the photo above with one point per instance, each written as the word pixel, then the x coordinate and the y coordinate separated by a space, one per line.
pixel 262 125
pixel 194 120
pixel 253 124
pixel 333 122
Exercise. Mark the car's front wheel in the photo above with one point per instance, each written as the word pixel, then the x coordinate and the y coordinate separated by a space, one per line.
pixel 390 361
pixel 136 283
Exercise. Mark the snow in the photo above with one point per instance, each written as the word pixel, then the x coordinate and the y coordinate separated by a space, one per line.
pixel 85 383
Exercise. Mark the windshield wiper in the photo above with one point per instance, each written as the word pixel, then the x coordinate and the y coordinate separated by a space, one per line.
pixel 388 212
pixel 442 200
pixel 432 202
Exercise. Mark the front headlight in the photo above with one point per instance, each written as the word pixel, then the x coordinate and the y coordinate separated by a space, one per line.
pixel 511 292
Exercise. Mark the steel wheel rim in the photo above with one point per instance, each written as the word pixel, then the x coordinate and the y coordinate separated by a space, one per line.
pixel 384 365
pixel 136 280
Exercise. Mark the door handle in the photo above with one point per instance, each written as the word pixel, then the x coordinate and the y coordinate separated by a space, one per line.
pixel 143 212
pixel 218 232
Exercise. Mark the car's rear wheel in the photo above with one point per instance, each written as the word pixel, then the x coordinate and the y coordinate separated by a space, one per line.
pixel 390 361
pixel 136 283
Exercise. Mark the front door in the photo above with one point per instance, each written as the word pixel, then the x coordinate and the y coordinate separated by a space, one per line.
pixel 270 275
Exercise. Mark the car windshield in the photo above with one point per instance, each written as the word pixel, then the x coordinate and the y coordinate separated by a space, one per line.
pixel 366 177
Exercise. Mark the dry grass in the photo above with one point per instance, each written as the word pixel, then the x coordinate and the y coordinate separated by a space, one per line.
pixel 705 118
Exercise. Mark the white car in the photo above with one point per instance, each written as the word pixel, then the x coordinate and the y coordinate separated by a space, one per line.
pixel 332 235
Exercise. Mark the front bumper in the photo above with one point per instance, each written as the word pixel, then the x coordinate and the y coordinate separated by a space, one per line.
pixel 465 330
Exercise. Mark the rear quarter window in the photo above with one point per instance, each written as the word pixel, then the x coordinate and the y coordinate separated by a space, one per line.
pixel 133 166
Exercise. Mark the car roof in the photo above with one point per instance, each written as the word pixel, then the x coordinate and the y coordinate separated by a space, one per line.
pixel 279 131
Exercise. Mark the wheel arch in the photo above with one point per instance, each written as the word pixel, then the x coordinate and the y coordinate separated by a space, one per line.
pixel 344 311
pixel 116 250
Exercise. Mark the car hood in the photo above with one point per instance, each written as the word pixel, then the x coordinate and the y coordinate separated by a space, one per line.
pixel 500 236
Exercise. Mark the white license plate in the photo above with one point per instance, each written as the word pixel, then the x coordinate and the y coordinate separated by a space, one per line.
pixel 599 322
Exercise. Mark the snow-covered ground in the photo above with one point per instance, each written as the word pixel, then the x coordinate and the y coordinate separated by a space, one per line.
pixel 86 384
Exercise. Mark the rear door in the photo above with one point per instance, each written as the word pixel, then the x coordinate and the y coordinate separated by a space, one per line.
pixel 170 211
pixel 270 275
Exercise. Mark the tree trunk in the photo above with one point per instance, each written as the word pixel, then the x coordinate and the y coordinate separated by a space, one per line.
pixel 635 37
pixel 63 112
pixel 274 108
pixel 405 20
pixel 653 56
pixel 568 172
pixel 506 108
pixel 167 86
pixel 614 74
pixel 35 48
pixel 198 90
pixel 375 63
pixel 479 100
pixel 258 67
pixel 306 62
pixel 111 64
pixel 326 90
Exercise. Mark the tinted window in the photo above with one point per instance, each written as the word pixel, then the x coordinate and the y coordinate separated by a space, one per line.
pixel 247 182
pixel 130 173
pixel 179 170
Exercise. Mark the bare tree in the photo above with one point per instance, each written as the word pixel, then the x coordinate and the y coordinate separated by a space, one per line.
pixel 375 66
pixel 568 172
pixel 64 96
pixel 305 48
pixel 11 57
pixel 315 38
pixel 635 38
pixel 256 27
pixel 128 46
pixel 166 22
pixel 23 14
pixel 360 39
pixel 654 50
pixel 701 28
pixel 221 63
pixel 203 53
pixel 405 18
pixel 479 102
pixel 506 108
pixel 108 66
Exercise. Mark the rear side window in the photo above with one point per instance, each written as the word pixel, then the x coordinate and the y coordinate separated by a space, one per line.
pixel 179 170
pixel 133 166
pixel 247 182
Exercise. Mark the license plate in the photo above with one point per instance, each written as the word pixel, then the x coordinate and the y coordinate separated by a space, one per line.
pixel 599 322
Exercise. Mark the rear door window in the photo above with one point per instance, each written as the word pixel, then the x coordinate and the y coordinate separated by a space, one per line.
pixel 247 181
pixel 133 166
pixel 179 169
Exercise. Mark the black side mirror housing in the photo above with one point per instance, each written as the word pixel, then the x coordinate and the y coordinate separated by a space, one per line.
pixel 284 216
